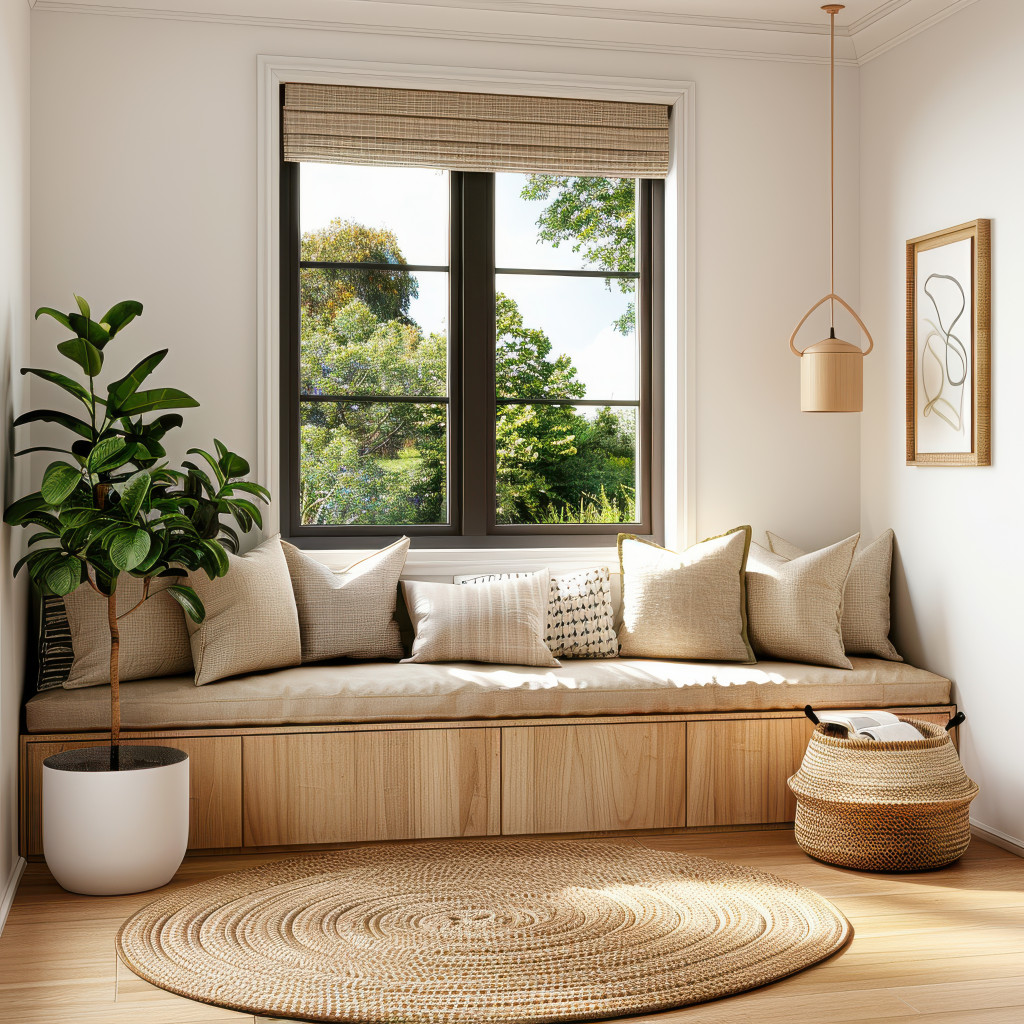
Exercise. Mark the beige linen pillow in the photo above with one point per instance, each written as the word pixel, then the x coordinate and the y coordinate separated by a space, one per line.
pixel 350 614
pixel 689 605
pixel 154 637
pixel 501 622
pixel 866 599
pixel 580 620
pixel 795 606
pixel 251 623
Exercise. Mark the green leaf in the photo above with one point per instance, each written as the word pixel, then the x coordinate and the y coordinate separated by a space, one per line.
pixel 84 353
pixel 52 416
pixel 250 509
pixel 129 548
pixel 120 315
pixel 221 448
pixel 217 557
pixel 15 513
pixel 133 492
pixel 232 465
pixel 118 458
pixel 43 448
pixel 252 488
pixel 56 314
pixel 189 600
pixel 72 387
pixel 158 398
pixel 102 451
pixel 64 575
pixel 88 329
pixel 129 383
pixel 59 481
pixel 83 306
pixel 221 479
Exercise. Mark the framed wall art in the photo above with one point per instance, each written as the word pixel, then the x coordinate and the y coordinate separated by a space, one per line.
pixel 948 347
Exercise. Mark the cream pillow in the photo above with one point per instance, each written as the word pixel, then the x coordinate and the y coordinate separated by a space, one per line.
pixel 795 607
pixel 866 599
pixel 350 614
pixel 580 619
pixel 251 623
pixel 501 622
pixel 689 605
pixel 154 637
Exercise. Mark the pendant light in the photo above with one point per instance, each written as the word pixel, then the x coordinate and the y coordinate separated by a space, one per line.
pixel 832 371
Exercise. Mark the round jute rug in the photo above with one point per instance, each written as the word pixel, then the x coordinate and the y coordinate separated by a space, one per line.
pixel 466 932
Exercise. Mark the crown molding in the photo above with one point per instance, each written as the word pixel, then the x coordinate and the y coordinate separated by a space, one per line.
pixel 556 25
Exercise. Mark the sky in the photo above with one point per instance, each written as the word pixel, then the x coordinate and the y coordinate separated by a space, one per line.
pixel 576 314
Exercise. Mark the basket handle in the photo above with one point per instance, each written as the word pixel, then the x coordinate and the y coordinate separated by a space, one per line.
pixel 809 712
pixel 958 719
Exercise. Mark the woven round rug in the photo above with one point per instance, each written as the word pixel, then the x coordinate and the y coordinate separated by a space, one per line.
pixel 465 932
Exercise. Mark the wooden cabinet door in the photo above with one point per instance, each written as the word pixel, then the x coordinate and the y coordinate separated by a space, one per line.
pixel 308 788
pixel 737 770
pixel 592 778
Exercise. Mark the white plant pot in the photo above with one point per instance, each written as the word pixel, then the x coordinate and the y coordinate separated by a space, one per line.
pixel 107 833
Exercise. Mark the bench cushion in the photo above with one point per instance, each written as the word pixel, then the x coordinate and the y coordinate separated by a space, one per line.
pixel 385 692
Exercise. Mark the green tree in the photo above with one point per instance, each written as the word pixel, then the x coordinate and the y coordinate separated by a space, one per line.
pixel 324 292
pixel 597 217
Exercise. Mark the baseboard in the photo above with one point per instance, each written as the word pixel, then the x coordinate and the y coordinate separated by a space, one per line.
pixel 997 838
pixel 10 889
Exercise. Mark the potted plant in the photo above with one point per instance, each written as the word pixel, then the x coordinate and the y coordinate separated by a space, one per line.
pixel 115 819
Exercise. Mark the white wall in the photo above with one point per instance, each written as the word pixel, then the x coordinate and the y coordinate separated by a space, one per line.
pixel 164 211
pixel 14 320
pixel 942 144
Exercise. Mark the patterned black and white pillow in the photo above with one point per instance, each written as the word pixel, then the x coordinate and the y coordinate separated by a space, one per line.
pixel 55 651
pixel 580 617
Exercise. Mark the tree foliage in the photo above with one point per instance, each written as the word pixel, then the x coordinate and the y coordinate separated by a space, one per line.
pixel 597 218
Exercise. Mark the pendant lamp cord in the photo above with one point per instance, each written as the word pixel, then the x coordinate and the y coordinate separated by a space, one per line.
pixel 832 169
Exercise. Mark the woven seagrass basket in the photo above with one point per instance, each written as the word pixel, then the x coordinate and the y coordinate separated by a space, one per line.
pixel 883 806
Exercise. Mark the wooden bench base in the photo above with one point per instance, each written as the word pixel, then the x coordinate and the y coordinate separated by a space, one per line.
pixel 291 786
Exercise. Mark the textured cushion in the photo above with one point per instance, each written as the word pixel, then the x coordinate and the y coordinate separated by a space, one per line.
pixel 388 692
pixel 349 614
pixel 794 607
pixel 580 617
pixel 54 653
pixel 866 599
pixel 689 605
pixel 251 624
pixel 154 637
pixel 500 622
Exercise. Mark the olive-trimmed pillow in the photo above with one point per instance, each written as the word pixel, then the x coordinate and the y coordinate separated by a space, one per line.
pixel 866 598
pixel 689 605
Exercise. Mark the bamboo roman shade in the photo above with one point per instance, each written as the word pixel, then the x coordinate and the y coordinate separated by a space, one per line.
pixel 464 131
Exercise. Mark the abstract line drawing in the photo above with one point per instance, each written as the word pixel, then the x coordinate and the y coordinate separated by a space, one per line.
pixel 948 354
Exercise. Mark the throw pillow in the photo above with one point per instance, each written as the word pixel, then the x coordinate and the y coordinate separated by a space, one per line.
pixel 501 622
pixel 251 623
pixel 54 653
pixel 350 614
pixel 154 637
pixel 866 600
pixel 795 606
pixel 580 617
pixel 688 605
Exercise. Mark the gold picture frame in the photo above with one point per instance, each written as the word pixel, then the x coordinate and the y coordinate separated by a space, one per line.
pixel 948 377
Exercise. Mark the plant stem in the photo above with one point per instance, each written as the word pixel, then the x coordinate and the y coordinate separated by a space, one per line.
pixel 115 694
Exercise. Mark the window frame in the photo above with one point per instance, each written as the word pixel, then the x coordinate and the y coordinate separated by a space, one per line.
pixel 471 390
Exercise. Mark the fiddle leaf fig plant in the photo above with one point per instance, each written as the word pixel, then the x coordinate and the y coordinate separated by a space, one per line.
pixel 111 504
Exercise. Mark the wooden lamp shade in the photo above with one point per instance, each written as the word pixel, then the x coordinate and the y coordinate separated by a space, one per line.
pixel 832 371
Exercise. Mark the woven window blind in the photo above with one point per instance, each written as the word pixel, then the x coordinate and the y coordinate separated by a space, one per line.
pixel 474 132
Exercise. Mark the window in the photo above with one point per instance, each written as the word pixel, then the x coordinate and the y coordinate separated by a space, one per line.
pixel 468 355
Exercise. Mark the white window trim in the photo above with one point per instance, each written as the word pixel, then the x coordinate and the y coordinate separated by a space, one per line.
pixel 680 278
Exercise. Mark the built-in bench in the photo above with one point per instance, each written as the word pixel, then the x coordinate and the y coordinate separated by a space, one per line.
pixel 328 754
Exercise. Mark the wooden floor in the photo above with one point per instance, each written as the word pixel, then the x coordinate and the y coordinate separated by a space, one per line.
pixel 945 947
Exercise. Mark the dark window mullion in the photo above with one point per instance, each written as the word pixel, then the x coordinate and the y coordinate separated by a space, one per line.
pixel 625 275
pixel 376 399
pixel 390 268
pixel 478 354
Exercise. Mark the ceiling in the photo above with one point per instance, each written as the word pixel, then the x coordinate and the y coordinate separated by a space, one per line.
pixel 758 29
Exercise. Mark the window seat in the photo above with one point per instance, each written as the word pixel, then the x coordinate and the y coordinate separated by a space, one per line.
pixel 388 692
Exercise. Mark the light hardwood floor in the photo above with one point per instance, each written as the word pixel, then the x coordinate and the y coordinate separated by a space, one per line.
pixel 946 947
